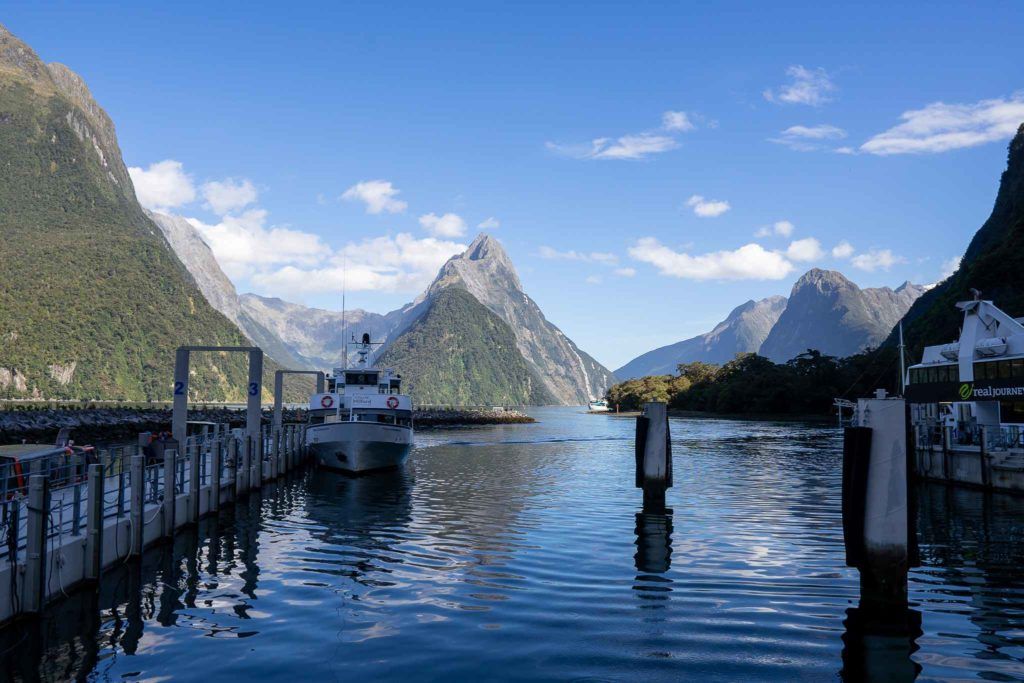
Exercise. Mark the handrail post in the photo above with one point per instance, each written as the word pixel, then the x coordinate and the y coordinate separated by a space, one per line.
pixel 94 523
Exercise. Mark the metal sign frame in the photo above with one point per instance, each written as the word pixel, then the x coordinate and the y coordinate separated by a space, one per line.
pixel 253 413
pixel 279 391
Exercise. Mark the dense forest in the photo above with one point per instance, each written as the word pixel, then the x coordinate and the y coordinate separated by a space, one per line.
pixel 753 384
pixel 459 353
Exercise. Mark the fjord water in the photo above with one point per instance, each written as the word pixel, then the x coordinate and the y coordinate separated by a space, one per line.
pixel 512 553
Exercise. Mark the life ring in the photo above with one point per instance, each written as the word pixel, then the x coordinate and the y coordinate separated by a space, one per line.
pixel 392 402
pixel 327 401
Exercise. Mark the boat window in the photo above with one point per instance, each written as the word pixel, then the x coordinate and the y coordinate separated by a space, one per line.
pixel 386 419
pixel 1017 367
pixel 404 422
pixel 361 379
pixel 944 374
pixel 1004 369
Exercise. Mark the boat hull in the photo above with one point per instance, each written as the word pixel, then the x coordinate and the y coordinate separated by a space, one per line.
pixel 358 446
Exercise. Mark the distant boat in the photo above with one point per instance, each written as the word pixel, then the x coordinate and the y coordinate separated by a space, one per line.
pixel 363 422
pixel 598 406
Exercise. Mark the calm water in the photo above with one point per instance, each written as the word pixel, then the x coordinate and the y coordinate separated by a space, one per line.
pixel 513 553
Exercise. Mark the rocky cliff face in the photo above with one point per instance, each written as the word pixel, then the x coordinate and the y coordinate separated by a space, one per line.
pixel 313 334
pixel 198 258
pixel 829 313
pixel 569 375
pixel 992 264
pixel 743 331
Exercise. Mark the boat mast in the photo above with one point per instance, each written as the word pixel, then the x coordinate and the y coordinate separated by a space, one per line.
pixel 344 338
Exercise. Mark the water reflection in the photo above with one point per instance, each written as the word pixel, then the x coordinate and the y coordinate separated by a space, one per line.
pixel 653 542
pixel 514 560
pixel 878 644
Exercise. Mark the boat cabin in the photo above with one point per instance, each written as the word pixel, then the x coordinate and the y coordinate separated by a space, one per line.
pixel 362 393
pixel 974 382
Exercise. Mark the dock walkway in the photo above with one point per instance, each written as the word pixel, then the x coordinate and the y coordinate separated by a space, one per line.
pixel 64 524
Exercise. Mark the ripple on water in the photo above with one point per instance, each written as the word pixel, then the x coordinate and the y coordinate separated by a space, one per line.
pixel 519 553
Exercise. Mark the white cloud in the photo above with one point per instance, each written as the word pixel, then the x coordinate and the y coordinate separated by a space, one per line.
pixel 749 262
pixel 448 225
pixel 625 272
pixel 163 186
pixel 490 224
pixel 782 228
pixel 940 127
pixel 843 250
pixel 808 138
pixel 636 146
pixel 707 208
pixel 807 249
pixel 950 266
pixel 806 86
pixel 378 195
pixel 225 196
pixel 677 120
pixel 550 253
pixel 400 264
pixel 242 244
pixel 876 259
pixel 593 279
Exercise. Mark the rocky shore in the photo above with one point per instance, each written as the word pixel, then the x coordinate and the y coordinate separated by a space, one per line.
pixel 97 424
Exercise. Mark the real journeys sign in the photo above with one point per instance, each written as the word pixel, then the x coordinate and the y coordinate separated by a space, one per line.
pixel 942 392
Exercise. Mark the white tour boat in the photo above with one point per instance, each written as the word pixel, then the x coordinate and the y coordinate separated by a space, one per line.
pixel 363 422
pixel 598 406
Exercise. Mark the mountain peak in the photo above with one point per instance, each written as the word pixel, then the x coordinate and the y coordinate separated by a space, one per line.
pixel 819 278
pixel 485 247
pixel 19 58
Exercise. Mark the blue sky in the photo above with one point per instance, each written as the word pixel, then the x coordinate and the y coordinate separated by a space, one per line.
pixel 382 135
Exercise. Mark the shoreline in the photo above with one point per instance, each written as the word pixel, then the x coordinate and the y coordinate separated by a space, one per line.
pixel 743 417
pixel 99 424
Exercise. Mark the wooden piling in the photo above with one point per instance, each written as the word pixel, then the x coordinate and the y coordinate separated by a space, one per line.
pixel 94 523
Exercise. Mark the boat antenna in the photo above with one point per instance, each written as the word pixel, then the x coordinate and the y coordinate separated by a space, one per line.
pixel 903 371
pixel 344 283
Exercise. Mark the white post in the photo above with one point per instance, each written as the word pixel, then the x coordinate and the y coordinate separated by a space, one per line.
pixel 884 548
pixel 194 475
pixel 216 460
pixel 35 551
pixel 170 455
pixel 94 523
pixel 137 508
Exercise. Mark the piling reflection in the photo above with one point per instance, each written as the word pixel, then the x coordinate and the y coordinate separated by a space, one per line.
pixel 878 644
pixel 653 556
pixel 653 542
